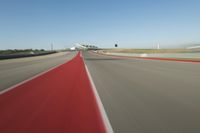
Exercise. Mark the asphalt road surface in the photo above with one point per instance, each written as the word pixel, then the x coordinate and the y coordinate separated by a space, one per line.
pixel 59 101
pixel 14 71
pixel 148 96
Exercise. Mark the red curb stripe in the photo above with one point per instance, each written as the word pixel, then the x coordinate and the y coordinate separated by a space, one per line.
pixel 104 116
pixel 170 59
pixel 58 101
pixel 150 58
pixel 31 78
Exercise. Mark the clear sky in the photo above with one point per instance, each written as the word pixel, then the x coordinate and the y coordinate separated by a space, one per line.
pixel 130 23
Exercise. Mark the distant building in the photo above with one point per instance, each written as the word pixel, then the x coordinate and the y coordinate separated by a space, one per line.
pixel 83 47
pixel 73 48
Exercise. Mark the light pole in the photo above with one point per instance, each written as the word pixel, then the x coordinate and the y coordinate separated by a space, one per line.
pixel 52 47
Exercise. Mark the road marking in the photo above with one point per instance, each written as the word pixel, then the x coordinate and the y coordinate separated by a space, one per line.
pixel 54 102
pixel 108 126
pixel 31 78
pixel 147 58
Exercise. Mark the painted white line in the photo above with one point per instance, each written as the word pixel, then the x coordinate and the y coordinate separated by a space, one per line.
pixel 148 58
pixel 108 126
pixel 29 79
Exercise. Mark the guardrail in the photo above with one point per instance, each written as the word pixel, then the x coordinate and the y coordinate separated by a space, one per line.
pixel 24 55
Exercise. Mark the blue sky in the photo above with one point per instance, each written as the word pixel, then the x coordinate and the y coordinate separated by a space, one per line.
pixel 130 23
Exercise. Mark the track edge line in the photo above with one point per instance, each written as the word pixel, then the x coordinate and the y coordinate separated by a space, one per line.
pixel 148 58
pixel 33 77
pixel 106 121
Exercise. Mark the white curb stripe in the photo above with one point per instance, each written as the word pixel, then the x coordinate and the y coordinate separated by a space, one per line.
pixel 107 124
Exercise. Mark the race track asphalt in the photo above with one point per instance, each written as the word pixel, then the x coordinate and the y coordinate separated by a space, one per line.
pixel 61 100
pixel 147 96
pixel 13 71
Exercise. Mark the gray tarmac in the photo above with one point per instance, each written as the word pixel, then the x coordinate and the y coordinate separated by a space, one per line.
pixel 13 71
pixel 147 96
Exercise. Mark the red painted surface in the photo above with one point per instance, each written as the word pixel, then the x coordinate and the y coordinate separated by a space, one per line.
pixel 169 59
pixel 59 101
pixel 149 58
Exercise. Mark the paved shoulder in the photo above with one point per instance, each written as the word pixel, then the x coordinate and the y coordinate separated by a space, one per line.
pixel 13 71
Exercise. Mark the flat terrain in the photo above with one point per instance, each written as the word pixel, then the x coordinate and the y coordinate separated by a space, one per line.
pixel 13 71
pixel 128 50
pixel 148 96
